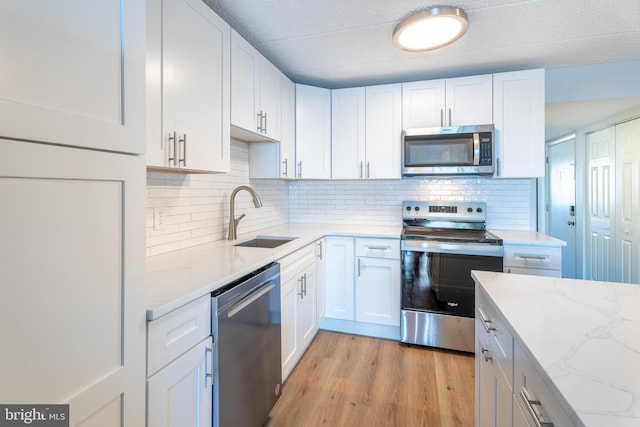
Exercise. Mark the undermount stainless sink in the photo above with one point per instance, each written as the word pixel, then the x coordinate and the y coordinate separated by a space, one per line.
pixel 266 242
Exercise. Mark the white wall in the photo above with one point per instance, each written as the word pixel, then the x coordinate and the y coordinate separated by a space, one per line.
pixel 510 203
pixel 197 205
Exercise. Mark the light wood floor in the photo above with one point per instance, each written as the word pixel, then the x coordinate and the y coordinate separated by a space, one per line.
pixel 349 380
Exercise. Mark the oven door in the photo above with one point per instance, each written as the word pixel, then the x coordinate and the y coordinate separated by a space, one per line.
pixel 436 276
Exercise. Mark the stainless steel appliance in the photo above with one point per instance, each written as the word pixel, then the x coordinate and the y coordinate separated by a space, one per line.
pixel 246 337
pixel 440 244
pixel 453 150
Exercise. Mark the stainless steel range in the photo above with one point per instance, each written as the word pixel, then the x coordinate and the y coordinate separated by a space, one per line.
pixel 441 243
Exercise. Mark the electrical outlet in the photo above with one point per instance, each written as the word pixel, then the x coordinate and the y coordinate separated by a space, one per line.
pixel 159 218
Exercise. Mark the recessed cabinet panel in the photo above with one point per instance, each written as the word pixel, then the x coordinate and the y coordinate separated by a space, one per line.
pixel 313 132
pixel 76 69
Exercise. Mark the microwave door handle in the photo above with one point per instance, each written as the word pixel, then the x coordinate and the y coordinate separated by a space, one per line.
pixel 476 149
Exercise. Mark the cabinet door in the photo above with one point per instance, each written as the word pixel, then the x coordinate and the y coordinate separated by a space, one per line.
pixel 519 123
pixel 73 73
pixel 627 202
pixel 308 318
pixel 339 276
pixel 469 101
pixel 269 99
pixel 195 92
pixel 384 131
pixel 72 258
pixel 423 104
pixel 287 160
pixel 181 394
pixel 289 318
pixel 378 291
pixel 244 83
pixel 348 133
pixel 313 132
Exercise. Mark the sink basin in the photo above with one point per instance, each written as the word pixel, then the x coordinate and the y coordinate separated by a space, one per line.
pixel 266 242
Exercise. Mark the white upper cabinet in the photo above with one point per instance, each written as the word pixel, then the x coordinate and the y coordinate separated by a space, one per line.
pixel 278 159
pixel 188 87
pixel 255 93
pixel 313 132
pixel 348 133
pixel 366 127
pixel 519 123
pixel 451 102
pixel 73 73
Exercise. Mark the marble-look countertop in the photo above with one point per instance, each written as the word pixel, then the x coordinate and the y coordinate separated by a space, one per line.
pixel 583 338
pixel 527 238
pixel 179 277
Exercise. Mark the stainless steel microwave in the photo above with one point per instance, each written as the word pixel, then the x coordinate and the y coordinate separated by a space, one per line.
pixel 453 150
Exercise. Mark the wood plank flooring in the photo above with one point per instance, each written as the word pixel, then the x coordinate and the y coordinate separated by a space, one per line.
pixel 350 380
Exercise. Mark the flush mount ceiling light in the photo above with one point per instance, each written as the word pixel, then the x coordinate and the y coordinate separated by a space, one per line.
pixel 430 29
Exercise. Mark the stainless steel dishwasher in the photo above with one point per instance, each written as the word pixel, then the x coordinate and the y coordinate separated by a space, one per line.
pixel 246 337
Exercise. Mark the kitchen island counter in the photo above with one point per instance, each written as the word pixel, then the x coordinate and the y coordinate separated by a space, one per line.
pixel 179 277
pixel 583 338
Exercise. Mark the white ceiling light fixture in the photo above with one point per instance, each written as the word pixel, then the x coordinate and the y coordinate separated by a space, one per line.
pixel 430 29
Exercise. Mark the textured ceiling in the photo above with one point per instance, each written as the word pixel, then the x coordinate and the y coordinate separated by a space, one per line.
pixel 346 43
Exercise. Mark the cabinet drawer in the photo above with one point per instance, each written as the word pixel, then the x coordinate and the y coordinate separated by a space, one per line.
pixel 541 257
pixel 171 335
pixel 529 385
pixel 533 271
pixel 378 248
pixel 293 264
pixel 491 324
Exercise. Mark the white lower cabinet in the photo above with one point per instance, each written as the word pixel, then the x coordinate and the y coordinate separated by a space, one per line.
pixel 181 394
pixel 509 389
pixel 298 277
pixel 180 367
pixel 533 260
pixel 363 280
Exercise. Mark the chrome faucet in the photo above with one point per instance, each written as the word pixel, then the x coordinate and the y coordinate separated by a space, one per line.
pixel 233 221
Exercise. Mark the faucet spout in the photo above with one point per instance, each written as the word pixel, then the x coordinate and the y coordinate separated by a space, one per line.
pixel 233 221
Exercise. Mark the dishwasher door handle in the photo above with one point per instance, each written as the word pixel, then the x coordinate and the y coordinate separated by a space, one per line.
pixel 236 308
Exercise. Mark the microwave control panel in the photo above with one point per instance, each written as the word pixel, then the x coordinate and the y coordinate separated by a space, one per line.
pixel 486 154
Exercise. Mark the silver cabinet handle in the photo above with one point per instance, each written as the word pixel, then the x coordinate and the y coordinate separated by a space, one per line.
pixel 378 248
pixel 183 142
pixel 497 166
pixel 358 267
pixel 284 168
pixel 172 139
pixel 442 117
pixel 486 353
pixel 208 360
pixel 259 114
pixel 264 127
pixel 361 173
pixel 485 322
pixel 301 292
pixel 304 281
pixel 449 116
pixel 320 253
pixel 300 169
pixel 368 169
pixel 533 257
pixel 529 403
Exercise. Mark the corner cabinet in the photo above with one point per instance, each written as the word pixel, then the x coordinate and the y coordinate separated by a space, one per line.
pixel 255 93
pixel 448 102
pixel 518 114
pixel 188 87
pixel 366 125
pixel 313 132
pixel 73 73
pixel 72 259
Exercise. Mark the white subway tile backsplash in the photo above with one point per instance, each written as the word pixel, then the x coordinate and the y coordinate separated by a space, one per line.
pixel 197 205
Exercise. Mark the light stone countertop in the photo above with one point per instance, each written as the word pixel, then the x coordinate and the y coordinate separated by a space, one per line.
pixel 582 336
pixel 179 277
pixel 527 238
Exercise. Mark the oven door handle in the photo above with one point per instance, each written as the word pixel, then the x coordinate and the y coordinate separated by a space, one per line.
pixel 453 248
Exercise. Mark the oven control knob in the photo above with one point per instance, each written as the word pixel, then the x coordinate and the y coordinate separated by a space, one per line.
pixel 479 210
pixel 469 210
pixel 417 208
pixel 408 208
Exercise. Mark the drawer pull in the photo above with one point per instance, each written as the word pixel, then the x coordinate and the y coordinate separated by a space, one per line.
pixel 537 416
pixel 486 354
pixel 532 257
pixel 485 322
pixel 378 248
